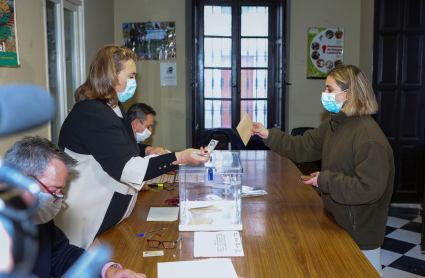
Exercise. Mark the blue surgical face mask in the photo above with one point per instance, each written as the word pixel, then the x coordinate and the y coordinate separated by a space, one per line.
pixel 129 90
pixel 330 104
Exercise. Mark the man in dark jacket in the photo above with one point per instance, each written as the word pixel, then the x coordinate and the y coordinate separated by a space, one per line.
pixel 49 165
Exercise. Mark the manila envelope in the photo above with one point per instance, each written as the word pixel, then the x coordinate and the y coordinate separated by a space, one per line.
pixel 204 210
pixel 244 128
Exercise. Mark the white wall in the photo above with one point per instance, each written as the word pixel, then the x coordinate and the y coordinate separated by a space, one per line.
pixel 170 102
pixel 99 26
pixel 304 106
pixel 32 56
pixel 366 39
pixel 99 22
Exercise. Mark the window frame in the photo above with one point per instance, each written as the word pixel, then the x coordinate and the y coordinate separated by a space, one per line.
pixel 77 7
pixel 274 118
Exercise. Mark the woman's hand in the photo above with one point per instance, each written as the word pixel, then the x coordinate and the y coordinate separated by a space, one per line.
pixel 192 156
pixel 260 130
pixel 115 272
pixel 313 181
pixel 145 187
pixel 149 150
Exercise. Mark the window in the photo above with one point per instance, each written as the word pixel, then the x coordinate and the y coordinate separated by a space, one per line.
pixel 65 55
pixel 236 71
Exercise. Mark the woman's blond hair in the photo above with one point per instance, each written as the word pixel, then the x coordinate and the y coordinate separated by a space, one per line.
pixel 361 99
pixel 103 74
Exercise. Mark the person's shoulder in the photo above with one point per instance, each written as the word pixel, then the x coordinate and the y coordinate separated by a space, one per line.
pixel 89 106
pixel 369 131
pixel 90 103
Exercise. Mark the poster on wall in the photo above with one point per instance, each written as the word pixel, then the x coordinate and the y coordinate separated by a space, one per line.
pixel 151 40
pixel 8 38
pixel 168 74
pixel 325 51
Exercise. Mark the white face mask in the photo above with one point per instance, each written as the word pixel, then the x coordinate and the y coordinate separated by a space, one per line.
pixel 47 210
pixel 143 136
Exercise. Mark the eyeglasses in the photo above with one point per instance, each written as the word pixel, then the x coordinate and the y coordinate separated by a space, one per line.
pixel 57 197
pixel 171 186
pixel 166 244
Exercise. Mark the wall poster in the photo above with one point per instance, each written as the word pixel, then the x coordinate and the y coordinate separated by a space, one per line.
pixel 8 38
pixel 151 40
pixel 168 74
pixel 325 51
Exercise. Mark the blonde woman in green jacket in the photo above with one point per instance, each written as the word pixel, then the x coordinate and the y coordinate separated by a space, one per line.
pixel 357 175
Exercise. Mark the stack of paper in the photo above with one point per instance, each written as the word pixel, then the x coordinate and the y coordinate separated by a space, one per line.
pixel 163 214
pixel 210 268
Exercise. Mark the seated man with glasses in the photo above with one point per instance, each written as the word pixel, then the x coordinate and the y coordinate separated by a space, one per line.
pixel 49 166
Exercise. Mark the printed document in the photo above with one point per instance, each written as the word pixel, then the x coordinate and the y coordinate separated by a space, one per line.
pixel 209 268
pixel 218 244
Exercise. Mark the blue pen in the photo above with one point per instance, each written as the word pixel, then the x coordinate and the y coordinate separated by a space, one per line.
pixel 142 234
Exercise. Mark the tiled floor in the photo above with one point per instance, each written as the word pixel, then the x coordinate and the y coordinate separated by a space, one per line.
pixel 400 254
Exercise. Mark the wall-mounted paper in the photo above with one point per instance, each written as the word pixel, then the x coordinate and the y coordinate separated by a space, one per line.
pixel 168 74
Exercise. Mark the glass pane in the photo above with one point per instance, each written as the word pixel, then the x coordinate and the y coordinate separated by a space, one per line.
pixel 70 58
pixel 217 52
pixel 52 38
pixel 217 83
pixel 254 53
pixel 217 21
pixel 255 21
pixel 256 109
pixel 218 113
pixel 253 84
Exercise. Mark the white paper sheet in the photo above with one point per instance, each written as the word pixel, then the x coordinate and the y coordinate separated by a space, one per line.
pixel 209 268
pixel 218 244
pixel 163 214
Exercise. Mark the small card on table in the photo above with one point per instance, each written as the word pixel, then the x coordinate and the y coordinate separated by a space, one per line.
pixel 153 253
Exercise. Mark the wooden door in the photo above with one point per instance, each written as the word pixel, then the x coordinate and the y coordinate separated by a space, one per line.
pixel 398 81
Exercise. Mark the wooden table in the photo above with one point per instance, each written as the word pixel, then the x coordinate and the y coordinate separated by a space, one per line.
pixel 286 233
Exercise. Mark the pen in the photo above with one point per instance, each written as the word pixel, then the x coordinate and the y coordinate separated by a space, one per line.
pixel 142 234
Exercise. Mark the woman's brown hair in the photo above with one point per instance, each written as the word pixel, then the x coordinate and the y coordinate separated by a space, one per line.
pixel 361 99
pixel 103 74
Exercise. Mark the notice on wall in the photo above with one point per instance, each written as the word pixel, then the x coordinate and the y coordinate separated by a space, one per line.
pixel 325 51
pixel 168 74
pixel 8 34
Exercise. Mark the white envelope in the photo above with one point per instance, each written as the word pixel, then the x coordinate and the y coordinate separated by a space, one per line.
pixel 163 214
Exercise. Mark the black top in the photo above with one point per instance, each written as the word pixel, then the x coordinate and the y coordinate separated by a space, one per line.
pixel 93 128
pixel 55 254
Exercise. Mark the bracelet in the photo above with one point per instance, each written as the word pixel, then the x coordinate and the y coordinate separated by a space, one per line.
pixel 106 266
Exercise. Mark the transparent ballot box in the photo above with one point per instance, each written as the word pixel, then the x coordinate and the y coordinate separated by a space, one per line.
pixel 211 194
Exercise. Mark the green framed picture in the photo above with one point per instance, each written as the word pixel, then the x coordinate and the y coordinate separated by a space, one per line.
pixel 325 51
